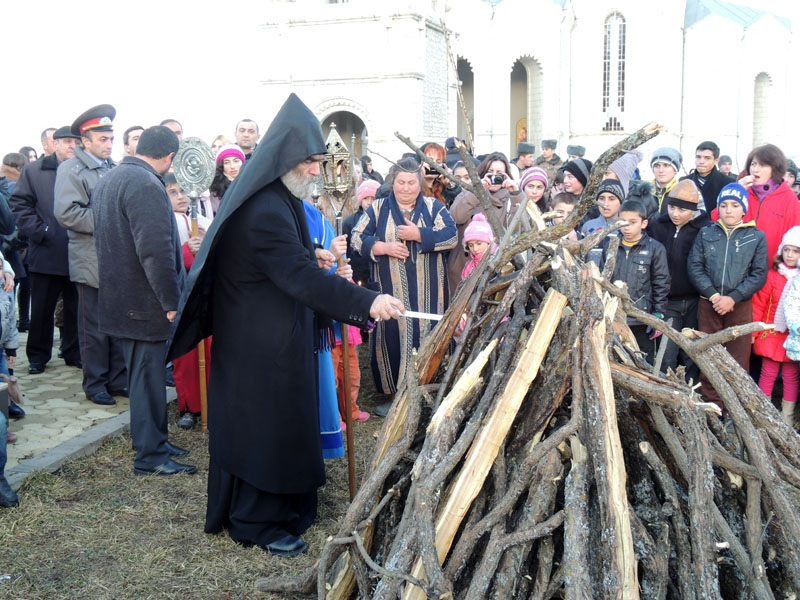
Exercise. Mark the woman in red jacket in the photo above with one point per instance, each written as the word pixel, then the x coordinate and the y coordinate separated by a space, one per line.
pixel 768 307
pixel 773 205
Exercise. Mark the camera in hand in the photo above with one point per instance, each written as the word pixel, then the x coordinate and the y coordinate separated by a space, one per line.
pixel 496 178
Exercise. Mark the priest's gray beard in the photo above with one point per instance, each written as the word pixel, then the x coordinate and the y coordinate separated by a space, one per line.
pixel 298 184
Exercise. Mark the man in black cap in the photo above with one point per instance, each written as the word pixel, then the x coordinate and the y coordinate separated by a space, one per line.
pixel 32 204
pixel 549 160
pixel 575 151
pixel 103 364
pixel 526 154
pixel 141 269
pixel 256 286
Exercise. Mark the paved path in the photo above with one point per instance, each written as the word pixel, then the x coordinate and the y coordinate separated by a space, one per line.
pixel 60 423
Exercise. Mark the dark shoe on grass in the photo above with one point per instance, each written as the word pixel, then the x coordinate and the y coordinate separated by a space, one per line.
pixel 8 497
pixel 187 420
pixel 175 451
pixel 168 468
pixel 287 546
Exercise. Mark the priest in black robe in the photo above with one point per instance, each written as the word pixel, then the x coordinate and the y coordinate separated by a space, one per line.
pixel 255 285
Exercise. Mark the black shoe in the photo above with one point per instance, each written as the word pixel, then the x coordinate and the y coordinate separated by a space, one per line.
pixel 168 468
pixel 101 398
pixel 288 546
pixel 35 368
pixel 187 420
pixel 383 409
pixel 123 393
pixel 15 410
pixel 74 363
pixel 175 451
pixel 8 497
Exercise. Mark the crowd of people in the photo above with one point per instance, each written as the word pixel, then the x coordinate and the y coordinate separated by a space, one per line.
pixel 136 279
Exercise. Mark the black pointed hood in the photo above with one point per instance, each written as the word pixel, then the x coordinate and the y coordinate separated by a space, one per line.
pixel 294 135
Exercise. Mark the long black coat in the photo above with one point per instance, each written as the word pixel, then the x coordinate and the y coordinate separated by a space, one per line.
pixel 32 205
pixel 140 264
pixel 254 285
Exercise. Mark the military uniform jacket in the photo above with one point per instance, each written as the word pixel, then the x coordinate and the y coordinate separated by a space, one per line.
pixel 76 179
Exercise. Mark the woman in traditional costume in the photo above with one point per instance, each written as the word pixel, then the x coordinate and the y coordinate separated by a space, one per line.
pixel 406 236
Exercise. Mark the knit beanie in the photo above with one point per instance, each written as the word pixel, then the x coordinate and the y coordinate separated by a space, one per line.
pixel 669 156
pixel 625 166
pixel 684 195
pixel 533 174
pixel 790 238
pixel 580 168
pixel 478 230
pixel 230 150
pixel 611 186
pixel 733 191
pixel 367 188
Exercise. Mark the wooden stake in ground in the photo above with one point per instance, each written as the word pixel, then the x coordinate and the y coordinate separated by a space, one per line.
pixel 201 350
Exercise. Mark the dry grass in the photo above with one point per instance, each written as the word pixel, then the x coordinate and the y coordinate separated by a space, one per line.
pixel 94 530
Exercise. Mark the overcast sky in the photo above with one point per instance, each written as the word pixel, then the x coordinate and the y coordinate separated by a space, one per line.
pixel 195 61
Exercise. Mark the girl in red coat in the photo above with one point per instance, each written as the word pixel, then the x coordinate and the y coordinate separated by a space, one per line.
pixel 768 307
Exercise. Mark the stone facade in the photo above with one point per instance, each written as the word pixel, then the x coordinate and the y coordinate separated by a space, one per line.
pixel 579 71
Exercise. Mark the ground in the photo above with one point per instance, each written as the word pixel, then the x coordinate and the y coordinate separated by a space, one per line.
pixel 94 530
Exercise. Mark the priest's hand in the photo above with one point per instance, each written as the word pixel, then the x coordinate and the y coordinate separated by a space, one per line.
pixel 386 307
pixel 325 259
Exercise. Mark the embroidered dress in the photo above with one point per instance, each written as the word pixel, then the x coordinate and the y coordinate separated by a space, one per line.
pixel 322 233
pixel 420 280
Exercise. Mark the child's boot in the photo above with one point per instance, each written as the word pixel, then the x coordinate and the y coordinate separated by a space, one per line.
pixel 787 412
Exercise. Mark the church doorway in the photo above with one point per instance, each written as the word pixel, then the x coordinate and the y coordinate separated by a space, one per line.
pixel 526 103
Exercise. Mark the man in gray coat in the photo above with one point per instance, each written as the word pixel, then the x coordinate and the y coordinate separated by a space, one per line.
pixel 103 364
pixel 140 266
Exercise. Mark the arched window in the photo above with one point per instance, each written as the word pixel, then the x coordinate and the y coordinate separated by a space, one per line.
pixel 614 72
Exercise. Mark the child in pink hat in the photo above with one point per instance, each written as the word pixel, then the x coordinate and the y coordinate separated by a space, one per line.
pixel 478 237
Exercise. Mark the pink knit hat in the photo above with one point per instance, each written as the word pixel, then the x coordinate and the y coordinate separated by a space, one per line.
pixel 533 174
pixel 230 150
pixel 478 230
pixel 367 188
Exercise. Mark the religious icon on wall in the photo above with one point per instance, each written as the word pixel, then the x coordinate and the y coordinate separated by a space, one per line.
pixel 522 130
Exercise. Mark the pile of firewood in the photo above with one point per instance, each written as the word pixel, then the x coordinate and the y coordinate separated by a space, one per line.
pixel 541 457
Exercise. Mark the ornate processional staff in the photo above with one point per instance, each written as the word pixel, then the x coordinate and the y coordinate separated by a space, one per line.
pixel 337 181
pixel 194 171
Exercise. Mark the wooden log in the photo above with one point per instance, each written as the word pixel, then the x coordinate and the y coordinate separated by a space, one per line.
pixel 577 582
pixel 701 496
pixel 683 548
pixel 602 439
pixel 485 448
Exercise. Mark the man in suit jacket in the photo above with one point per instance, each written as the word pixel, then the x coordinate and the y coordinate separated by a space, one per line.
pixel 140 269
pixel 32 203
